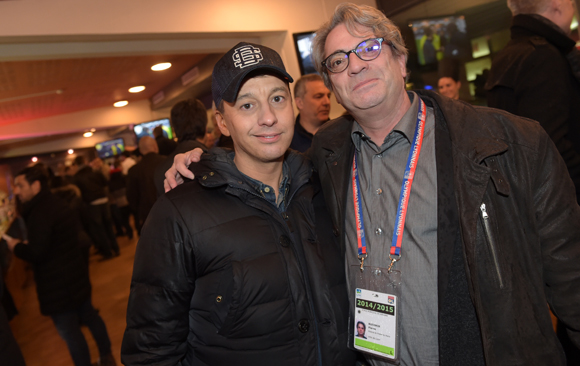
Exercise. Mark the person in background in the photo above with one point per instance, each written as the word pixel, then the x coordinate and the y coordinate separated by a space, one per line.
pixel 93 186
pixel 141 192
pixel 312 99
pixel 537 75
pixel 189 121
pixel 10 352
pixel 120 210
pixel 241 267
pixel 449 87
pixel 126 162
pixel 60 270
pixel 165 145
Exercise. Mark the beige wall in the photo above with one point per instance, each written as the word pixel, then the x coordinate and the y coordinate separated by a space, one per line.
pixel 53 29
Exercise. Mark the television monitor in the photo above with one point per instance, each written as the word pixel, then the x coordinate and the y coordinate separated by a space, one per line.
pixel 439 38
pixel 303 45
pixel 146 128
pixel 109 148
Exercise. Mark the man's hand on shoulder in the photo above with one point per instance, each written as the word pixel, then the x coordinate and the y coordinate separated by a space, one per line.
pixel 174 176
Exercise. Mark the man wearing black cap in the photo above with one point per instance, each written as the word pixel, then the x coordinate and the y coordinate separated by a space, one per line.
pixel 231 268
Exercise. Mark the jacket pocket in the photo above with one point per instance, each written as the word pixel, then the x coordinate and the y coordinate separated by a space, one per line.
pixel 491 243
pixel 227 297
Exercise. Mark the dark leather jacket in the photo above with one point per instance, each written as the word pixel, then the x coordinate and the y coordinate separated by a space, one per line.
pixel 525 254
pixel 61 271
pixel 222 278
pixel 532 77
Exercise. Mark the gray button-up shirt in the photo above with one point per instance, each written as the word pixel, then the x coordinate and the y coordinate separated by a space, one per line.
pixel 381 170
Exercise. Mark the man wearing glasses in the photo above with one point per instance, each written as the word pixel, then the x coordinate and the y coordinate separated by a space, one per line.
pixel 463 218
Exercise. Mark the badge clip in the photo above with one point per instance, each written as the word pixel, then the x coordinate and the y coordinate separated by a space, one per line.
pixel 393 260
pixel 362 262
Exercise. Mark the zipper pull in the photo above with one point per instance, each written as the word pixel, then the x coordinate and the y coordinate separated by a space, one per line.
pixel 483 211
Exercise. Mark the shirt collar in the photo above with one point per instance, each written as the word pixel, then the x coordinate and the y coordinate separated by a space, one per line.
pixel 265 190
pixel 406 125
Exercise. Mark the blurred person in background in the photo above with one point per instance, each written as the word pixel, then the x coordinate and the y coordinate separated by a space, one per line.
pixel 141 192
pixel 94 186
pixel 60 269
pixel 189 121
pixel 165 145
pixel 449 87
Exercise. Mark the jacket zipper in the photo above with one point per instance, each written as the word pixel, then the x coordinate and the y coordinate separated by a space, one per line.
pixel 491 242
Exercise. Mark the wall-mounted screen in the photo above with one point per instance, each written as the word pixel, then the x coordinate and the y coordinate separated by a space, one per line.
pixel 303 45
pixel 110 148
pixel 439 38
pixel 146 128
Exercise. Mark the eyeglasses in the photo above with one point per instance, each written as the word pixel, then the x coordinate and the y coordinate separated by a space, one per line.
pixel 367 50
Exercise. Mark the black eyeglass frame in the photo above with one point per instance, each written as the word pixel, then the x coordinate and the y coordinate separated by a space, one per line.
pixel 354 50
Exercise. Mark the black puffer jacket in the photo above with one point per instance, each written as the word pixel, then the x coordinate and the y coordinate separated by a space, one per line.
pixel 60 269
pixel 523 255
pixel 222 278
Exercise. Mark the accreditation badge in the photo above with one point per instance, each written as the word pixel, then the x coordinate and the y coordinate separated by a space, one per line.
pixel 374 320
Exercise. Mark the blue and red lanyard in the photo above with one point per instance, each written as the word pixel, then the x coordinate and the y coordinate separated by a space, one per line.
pixel 403 197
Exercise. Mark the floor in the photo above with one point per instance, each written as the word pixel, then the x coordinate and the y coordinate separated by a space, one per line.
pixel 36 334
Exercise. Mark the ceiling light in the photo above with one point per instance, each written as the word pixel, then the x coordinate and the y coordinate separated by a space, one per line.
pixel 161 66
pixel 87 134
pixel 34 159
pixel 137 89
pixel 121 103
pixel 70 151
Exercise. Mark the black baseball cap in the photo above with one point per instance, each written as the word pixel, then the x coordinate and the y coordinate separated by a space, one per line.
pixel 237 63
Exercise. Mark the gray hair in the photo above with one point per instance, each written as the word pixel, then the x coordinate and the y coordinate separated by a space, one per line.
pixel 528 6
pixel 356 16
pixel 300 86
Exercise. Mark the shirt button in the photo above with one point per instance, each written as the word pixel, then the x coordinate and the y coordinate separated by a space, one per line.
pixel 379 231
pixel 379 191
pixel 379 155
pixel 303 326
pixel 267 189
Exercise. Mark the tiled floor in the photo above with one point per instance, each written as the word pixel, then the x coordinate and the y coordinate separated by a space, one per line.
pixel 36 334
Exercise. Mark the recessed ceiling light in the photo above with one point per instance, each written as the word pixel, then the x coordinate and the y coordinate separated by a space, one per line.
pixel 34 159
pixel 137 89
pixel 70 151
pixel 161 66
pixel 87 134
pixel 121 103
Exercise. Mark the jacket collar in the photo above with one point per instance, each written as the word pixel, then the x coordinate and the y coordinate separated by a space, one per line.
pixel 30 205
pixel 216 169
pixel 475 140
pixel 525 25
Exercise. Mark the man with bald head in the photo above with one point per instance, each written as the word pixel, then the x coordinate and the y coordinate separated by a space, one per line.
pixel 141 191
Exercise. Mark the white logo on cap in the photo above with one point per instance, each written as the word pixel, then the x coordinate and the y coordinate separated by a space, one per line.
pixel 247 56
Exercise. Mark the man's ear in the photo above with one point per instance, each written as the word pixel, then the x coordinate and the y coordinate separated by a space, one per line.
pixel 221 123
pixel 35 187
pixel 299 103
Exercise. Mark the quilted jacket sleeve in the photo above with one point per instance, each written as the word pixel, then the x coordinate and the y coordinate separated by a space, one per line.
pixel 161 289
